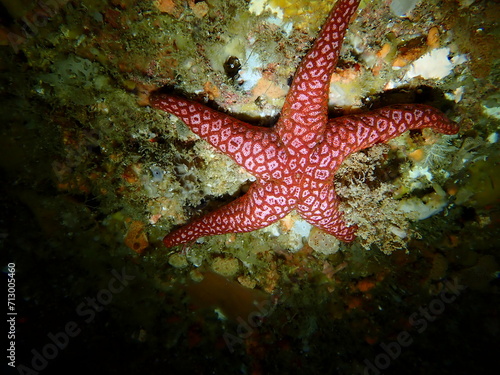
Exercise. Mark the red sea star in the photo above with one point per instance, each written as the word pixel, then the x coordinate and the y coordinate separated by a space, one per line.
pixel 295 161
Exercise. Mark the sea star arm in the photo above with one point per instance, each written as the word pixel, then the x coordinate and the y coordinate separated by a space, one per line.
pixel 254 148
pixel 319 207
pixel 262 205
pixel 304 114
pixel 356 132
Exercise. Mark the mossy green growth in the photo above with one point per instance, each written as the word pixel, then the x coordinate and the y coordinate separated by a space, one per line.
pixel 484 182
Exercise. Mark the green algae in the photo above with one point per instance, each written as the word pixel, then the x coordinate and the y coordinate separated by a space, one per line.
pixel 483 182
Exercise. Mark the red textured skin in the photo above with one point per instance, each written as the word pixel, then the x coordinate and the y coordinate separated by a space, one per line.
pixel 295 162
